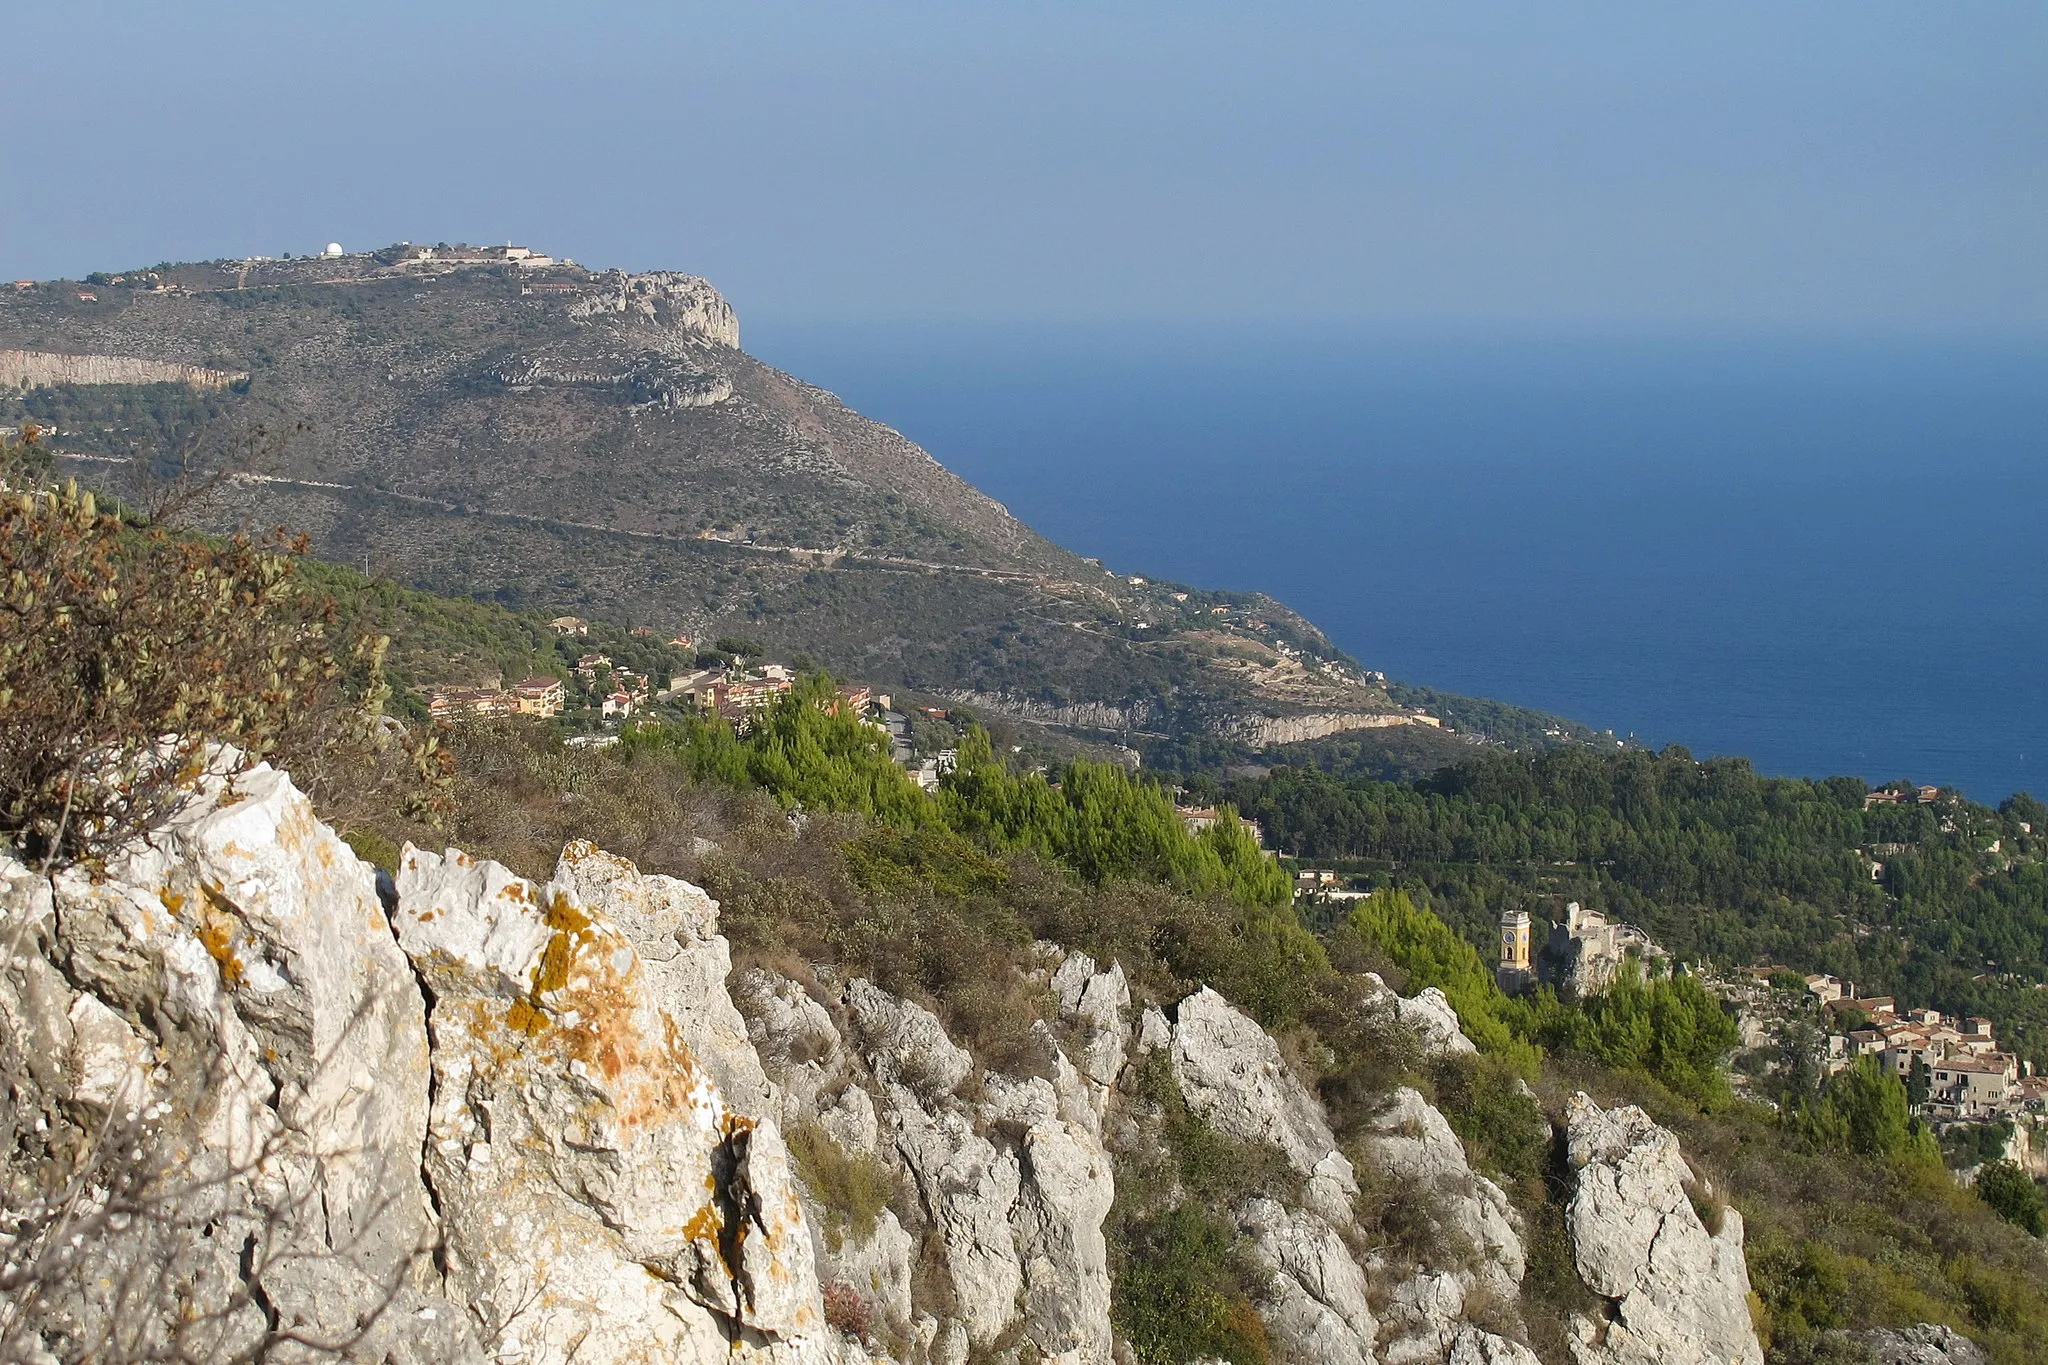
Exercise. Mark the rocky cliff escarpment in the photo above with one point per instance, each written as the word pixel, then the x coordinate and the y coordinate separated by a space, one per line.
pixel 270 1103
pixel 35 369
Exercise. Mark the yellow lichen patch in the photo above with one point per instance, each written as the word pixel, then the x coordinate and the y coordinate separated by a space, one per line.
pixel 216 932
pixel 705 1225
pixel 564 917
pixel 173 902
pixel 525 1017
pixel 219 939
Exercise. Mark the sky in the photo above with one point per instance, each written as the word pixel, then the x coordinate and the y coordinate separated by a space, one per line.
pixel 1825 167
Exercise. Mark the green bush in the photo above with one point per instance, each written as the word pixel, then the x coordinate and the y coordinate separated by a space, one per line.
pixel 1431 953
pixel 852 1188
pixel 128 651
pixel 1177 1297
pixel 1865 1111
pixel 2013 1195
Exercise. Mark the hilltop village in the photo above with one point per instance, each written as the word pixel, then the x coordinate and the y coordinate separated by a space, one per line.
pixel 1954 1070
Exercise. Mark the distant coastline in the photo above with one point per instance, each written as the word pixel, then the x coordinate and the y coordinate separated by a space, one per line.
pixel 1823 555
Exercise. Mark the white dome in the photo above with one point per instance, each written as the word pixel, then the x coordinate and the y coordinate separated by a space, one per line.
pixel 333 249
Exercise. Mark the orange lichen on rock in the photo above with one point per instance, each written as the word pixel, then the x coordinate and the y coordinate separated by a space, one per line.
pixel 216 932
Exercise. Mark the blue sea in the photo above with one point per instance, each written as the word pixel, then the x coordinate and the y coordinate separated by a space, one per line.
pixel 1828 555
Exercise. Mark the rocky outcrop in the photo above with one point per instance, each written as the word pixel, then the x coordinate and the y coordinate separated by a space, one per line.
pixel 1435 1023
pixel 648 379
pixel 1231 1074
pixel 1318 1303
pixel 1925 1344
pixel 581 1152
pixel 1087 715
pixel 36 369
pixel 683 303
pixel 1677 1294
pixel 219 1036
pixel 477 1117
pixel 1264 732
pixel 1414 1144
pixel 1320 1295
pixel 494 1121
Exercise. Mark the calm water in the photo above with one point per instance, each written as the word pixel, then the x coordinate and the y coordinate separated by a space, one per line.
pixel 1831 557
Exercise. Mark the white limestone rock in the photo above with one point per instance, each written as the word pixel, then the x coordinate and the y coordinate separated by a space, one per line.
pixel 1064 1193
pixel 1413 1142
pixel 583 1157
pixel 1677 1294
pixel 968 1188
pixel 1153 1031
pixel 1097 1003
pixel 1424 1314
pixel 1923 1344
pixel 1317 1307
pixel 673 926
pixel 234 1002
pixel 905 1043
pixel 1435 1022
pixel 1477 1346
pixel 1232 1075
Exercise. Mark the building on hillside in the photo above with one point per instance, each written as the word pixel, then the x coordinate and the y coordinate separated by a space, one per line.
pixel 570 625
pixel 1973 1087
pixel 738 700
pixel 1586 949
pixel 1517 970
pixel 850 699
pixel 928 773
pixel 444 704
pixel 681 642
pixel 588 664
pixel 1824 987
pixel 688 681
pixel 538 696
pixel 1314 881
pixel 1197 818
pixel 617 706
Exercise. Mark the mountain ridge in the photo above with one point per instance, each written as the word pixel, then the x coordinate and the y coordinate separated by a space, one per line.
pixel 495 423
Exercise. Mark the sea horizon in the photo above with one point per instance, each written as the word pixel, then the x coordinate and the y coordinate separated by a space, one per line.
pixel 1819 552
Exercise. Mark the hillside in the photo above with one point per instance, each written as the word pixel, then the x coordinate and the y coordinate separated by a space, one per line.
pixel 557 439
pixel 1007 1070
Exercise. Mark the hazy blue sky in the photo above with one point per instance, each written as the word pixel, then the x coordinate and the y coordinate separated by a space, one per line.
pixel 1835 165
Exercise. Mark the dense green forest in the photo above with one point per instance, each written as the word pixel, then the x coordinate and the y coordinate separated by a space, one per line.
pixel 1942 902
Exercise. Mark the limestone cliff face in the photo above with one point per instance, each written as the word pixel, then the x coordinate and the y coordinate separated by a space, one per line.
pixel 665 300
pixel 1262 732
pixel 464 1117
pixel 34 369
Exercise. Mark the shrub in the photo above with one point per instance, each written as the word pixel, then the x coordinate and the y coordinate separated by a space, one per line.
pixel 1431 953
pixel 1863 1110
pixel 2013 1195
pixel 848 1310
pixel 1178 1297
pixel 1502 1124
pixel 126 652
pixel 853 1188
